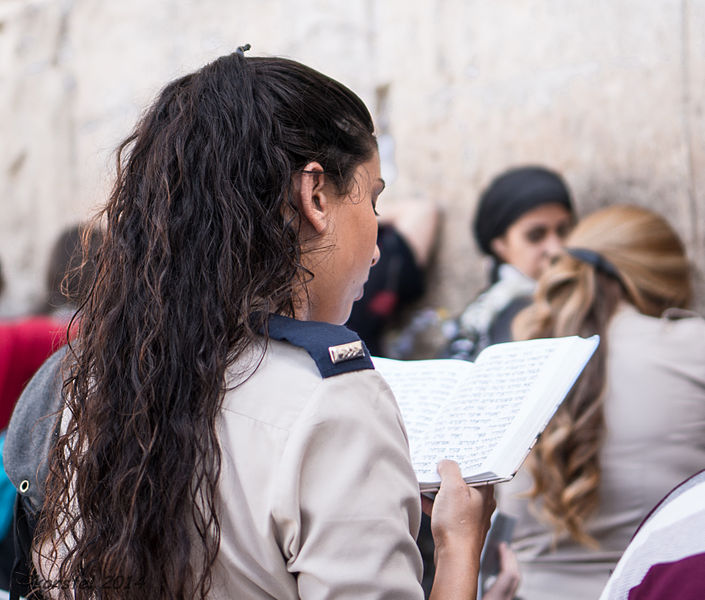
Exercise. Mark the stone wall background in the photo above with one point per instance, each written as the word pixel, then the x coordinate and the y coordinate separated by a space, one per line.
pixel 609 92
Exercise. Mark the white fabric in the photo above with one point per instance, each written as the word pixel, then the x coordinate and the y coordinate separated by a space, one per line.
pixel 481 312
pixel 672 533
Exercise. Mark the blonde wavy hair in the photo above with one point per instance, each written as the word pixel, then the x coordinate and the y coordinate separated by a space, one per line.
pixel 577 298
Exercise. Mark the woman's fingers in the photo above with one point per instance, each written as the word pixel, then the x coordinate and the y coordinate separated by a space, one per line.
pixel 507 581
pixel 460 512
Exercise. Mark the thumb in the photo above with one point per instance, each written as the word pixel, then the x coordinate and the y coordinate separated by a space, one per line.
pixel 449 470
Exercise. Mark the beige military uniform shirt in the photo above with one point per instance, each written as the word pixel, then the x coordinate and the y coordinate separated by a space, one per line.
pixel 318 499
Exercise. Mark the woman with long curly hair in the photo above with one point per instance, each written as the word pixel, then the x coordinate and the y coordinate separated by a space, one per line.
pixel 223 436
pixel 634 425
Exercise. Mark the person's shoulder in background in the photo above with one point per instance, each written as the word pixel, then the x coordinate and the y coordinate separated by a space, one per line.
pixel 24 345
pixel 678 333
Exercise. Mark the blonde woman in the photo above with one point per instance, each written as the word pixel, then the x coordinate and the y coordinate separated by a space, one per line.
pixel 634 425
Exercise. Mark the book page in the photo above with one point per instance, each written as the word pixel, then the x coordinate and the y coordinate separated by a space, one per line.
pixel 485 405
pixel 550 387
pixel 421 391
pixel 483 415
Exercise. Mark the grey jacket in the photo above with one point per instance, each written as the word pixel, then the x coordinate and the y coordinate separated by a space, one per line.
pixel 33 430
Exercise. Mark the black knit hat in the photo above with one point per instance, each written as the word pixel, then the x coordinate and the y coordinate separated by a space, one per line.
pixel 512 194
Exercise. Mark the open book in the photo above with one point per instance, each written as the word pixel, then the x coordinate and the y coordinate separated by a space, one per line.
pixel 484 415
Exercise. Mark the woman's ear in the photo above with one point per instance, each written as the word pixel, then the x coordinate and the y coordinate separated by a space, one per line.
pixel 315 197
pixel 499 247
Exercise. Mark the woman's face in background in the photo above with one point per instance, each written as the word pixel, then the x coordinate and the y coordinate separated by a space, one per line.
pixel 534 239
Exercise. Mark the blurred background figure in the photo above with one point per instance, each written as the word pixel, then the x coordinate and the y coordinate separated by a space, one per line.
pixel 406 237
pixel 634 425
pixel 25 343
pixel 521 222
pixel 68 277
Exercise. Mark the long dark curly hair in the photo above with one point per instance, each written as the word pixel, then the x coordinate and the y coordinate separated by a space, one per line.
pixel 575 298
pixel 201 243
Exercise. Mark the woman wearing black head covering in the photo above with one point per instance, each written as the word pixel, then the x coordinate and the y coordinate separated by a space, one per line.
pixel 520 222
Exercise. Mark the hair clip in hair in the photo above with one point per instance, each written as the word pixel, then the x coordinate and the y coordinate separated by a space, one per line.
pixel 242 49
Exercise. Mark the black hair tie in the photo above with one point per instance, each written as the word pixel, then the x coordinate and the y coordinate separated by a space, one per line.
pixel 242 49
pixel 596 260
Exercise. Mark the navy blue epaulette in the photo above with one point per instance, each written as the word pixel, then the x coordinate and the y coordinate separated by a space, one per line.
pixel 334 348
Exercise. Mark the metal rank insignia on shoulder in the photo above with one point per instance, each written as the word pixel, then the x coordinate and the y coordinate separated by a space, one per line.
pixel 345 352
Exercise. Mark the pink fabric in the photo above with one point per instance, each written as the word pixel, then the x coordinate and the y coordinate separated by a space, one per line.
pixel 24 345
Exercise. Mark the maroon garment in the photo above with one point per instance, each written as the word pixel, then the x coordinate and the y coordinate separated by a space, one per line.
pixel 662 580
pixel 24 345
